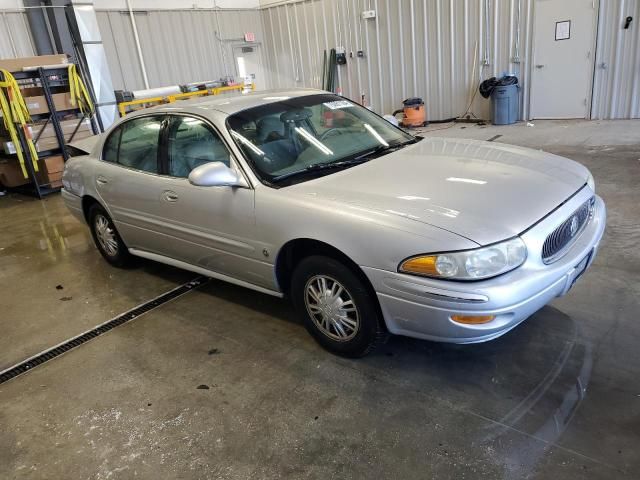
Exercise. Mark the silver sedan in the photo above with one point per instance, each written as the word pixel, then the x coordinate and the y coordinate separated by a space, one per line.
pixel 366 228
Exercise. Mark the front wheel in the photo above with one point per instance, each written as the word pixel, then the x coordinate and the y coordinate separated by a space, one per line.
pixel 337 307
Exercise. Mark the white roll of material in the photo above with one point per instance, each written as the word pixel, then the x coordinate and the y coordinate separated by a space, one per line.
pixel 156 92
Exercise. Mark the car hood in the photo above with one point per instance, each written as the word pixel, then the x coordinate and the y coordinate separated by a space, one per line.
pixel 483 191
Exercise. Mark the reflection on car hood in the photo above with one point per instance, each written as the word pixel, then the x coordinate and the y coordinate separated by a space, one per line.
pixel 483 191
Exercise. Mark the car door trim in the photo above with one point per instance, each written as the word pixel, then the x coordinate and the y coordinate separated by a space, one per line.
pixel 203 271
pixel 179 228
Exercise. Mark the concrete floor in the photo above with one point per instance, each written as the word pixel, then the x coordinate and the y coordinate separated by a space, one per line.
pixel 127 404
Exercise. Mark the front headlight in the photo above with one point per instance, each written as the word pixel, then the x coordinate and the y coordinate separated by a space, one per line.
pixel 474 264
pixel 591 182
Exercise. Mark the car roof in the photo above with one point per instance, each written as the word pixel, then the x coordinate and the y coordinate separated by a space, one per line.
pixel 231 103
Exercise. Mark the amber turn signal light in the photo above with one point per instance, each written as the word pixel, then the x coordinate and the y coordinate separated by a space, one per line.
pixel 421 266
pixel 472 319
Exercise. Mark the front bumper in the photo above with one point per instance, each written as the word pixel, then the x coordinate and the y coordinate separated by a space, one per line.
pixel 422 307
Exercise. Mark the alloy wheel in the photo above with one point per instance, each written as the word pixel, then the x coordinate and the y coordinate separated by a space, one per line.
pixel 106 235
pixel 331 308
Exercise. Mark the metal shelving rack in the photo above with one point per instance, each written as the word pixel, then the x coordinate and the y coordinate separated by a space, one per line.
pixel 48 78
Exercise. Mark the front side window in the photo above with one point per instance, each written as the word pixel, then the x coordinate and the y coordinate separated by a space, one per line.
pixel 297 138
pixel 134 144
pixel 193 143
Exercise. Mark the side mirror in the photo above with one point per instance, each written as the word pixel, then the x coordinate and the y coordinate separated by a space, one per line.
pixel 215 174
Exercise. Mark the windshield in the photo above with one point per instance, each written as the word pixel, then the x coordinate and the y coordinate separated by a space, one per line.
pixel 306 136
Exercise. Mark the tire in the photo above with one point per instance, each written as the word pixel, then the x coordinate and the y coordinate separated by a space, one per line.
pixel 337 307
pixel 107 238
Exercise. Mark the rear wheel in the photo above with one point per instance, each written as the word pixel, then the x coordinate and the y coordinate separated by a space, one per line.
pixel 107 238
pixel 337 307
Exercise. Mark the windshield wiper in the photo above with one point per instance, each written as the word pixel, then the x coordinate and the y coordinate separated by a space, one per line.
pixel 361 158
pixel 383 149
pixel 318 167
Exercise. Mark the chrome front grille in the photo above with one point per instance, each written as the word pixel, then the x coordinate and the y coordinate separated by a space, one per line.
pixel 563 237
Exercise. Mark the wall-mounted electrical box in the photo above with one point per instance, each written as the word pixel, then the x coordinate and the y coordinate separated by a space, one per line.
pixel 369 14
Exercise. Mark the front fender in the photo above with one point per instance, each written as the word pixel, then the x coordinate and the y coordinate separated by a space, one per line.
pixel 369 238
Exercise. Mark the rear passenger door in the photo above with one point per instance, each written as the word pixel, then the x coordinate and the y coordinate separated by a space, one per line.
pixel 210 227
pixel 128 179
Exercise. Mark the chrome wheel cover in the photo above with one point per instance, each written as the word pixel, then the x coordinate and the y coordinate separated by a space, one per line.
pixel 106 235
pixel 331 308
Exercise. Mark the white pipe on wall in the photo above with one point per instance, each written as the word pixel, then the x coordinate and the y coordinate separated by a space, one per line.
pixel 412 14
pixel 487 33
pixel 138 47
pixel 379 62
pixel 223 48
pixel 516 53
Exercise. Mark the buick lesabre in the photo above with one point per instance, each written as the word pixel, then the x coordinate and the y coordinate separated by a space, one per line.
pixel 366 228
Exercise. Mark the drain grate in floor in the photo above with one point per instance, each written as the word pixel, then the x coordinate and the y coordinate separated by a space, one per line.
pixel 30 363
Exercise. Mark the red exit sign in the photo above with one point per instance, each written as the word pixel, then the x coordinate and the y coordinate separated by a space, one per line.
pixel 249 37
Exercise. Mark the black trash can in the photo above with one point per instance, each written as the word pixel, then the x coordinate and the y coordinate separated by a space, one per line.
pixel 505 103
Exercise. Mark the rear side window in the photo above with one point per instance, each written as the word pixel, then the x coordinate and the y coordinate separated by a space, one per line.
pixel 135 144
pixel 110 151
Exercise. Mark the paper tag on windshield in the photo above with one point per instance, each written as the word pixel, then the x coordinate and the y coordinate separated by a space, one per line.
pixel 338 104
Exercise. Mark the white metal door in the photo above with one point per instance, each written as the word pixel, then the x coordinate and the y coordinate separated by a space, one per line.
pixel 563 53
pixel 248 64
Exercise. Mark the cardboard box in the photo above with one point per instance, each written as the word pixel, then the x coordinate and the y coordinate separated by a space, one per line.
pixel 68 127
pixel 50 171
pixel 8 148
pixel 11 173
pixel 47 139
pixel 17 64
pixel 38 104
pixel 52 180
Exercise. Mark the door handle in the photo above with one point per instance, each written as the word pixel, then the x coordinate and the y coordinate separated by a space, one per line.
pixel 101 180
pixel 539 66
pixel 170 196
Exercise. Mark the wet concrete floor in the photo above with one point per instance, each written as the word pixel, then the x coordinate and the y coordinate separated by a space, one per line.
pixel 226 383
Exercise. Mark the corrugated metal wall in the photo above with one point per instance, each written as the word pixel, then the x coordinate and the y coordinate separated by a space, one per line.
pixel 427 48
pixel 616 92
pixel 178 46
pixel 412 48
pixel 15 39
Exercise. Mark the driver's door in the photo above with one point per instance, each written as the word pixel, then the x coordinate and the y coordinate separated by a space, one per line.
pixel 210 227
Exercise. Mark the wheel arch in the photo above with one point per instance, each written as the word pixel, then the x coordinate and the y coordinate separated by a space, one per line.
pixel 294 251
pixel 87 202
